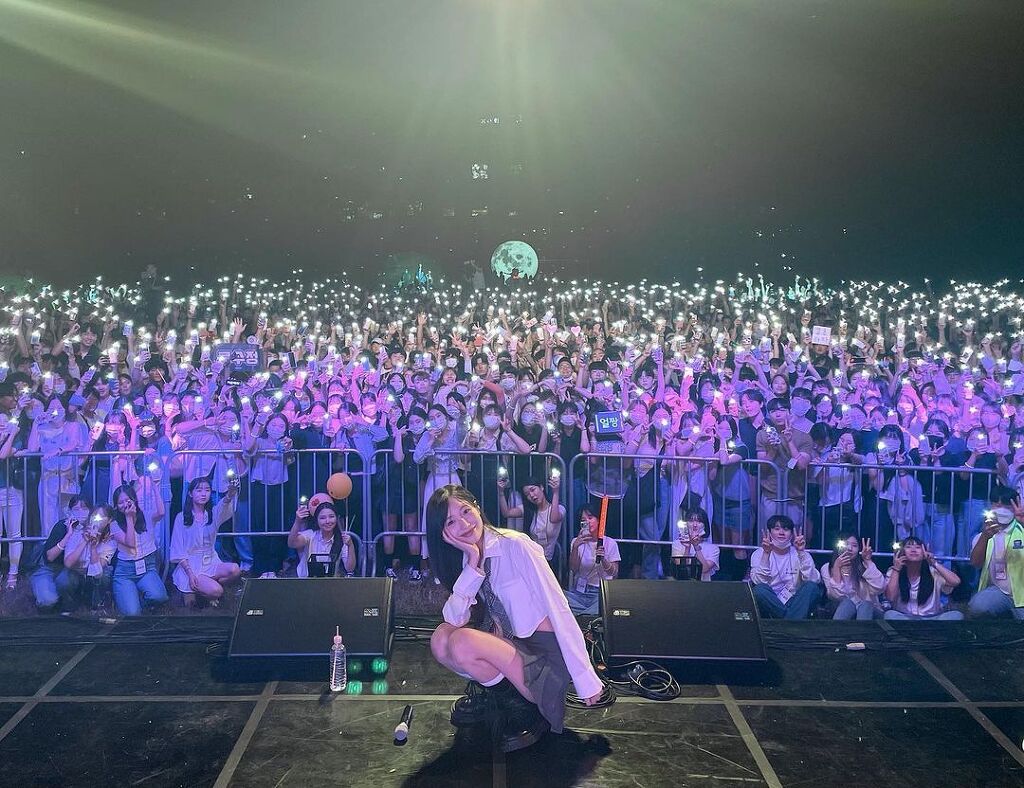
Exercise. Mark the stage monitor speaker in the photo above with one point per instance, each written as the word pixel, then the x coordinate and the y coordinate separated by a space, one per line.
pixel 668 619
pixel 297 617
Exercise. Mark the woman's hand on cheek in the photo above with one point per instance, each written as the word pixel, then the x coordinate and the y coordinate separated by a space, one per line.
pixel 471 551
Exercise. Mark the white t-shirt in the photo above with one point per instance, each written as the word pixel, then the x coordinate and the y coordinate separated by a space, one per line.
pixel 591 573
pixel 544 532
pixel 710 551
pixel 315 544
pixel 931 606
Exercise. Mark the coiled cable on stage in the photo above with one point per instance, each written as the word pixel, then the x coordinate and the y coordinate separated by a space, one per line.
pixel 644 678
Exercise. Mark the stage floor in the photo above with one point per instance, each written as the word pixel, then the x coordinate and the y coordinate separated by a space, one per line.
pixel 82 703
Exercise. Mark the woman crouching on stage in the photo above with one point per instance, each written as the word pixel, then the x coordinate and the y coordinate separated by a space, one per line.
pixel 529 646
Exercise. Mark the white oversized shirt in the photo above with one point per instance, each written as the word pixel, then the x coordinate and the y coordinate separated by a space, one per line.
pixel 522 580
pixel 784 573
pixel 871 584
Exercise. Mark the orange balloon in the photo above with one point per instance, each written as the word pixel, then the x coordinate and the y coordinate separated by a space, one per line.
pixel 339 485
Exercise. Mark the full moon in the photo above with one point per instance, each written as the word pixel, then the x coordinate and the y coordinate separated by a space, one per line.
pixel 514 256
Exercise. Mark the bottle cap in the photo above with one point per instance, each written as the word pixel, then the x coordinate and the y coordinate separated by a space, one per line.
pixel 337 636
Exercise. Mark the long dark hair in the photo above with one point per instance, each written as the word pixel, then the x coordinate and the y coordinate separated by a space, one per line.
pixel 445 559
pixel 335 534
pixel 529 510
pixel 856 565
pixel 101 443
pixel 188 513
pixel 140 518
pixel 927 584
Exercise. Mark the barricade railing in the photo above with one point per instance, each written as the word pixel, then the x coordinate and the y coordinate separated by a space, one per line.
pixel 96 474
pixel 35 488
pixel 273 499
pixel 648 493
pixel 942 506
pixel 405 487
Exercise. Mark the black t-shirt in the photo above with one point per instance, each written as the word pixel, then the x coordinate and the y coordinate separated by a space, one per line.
pixel 569 445
pixel 88 359
pixel 37 555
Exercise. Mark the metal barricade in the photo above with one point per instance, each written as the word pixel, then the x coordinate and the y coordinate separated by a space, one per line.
pixel 404 488
pixel 23 515
pixel 940 505
pixel 34 491
pixel 648 493
pixel 262 505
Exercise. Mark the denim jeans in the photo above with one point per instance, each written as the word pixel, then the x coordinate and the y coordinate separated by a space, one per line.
pixel 583 602
pixel 798 607
pixel 49 587
pixel 941 529
pixel 737 517
pixel 847 610
pixel 128 586
pixel 770 507
pixel 652 529
pixel 12 508
pixel 967 527
pixel 949 615
pixel 993 602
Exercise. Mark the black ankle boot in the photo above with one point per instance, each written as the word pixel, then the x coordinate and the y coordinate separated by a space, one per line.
pixel 524 726
pixel 480 703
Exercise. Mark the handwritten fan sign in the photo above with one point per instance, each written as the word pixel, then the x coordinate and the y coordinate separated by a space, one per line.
pixel 821 335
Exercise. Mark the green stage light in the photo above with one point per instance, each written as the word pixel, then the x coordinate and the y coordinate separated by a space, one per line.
pixel 354 688
pixel 379 665
pixel 379 687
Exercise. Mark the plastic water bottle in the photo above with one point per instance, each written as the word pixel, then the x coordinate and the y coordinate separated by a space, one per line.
pixel 339 667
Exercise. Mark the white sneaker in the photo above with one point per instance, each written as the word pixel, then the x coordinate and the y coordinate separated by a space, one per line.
pixel 414 576
pixel 268 576
pixel 390 572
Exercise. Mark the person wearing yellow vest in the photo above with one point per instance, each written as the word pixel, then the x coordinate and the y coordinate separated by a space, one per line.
pixel 999 552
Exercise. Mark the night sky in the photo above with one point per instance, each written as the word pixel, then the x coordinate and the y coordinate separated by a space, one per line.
pixel 632 138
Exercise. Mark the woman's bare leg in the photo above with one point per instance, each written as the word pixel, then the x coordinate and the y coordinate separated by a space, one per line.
pixel 410 524
pixel 389 541
pixel 227 573
pixel 477 654
pixel 208 587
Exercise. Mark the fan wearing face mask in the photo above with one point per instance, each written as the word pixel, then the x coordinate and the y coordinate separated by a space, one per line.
pixel 783 572
pixel 801 408
pixel 902 512
pixel 998 551
pixel 490 434
pixel 972 489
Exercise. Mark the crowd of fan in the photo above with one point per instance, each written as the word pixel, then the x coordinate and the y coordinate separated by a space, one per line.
pixel 845 420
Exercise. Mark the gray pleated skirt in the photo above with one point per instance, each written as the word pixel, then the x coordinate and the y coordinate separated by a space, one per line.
pixel 546 675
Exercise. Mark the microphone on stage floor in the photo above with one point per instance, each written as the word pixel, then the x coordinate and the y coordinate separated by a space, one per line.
pixel 402 729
